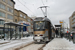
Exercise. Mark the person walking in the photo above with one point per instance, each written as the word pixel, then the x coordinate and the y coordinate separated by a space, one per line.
pixel 56 31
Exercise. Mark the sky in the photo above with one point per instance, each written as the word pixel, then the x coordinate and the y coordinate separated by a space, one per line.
pixel 57 9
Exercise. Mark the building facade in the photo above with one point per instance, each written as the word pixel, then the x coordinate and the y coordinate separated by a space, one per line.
pixel 30 28
pixel 20 16
pixel 6 12
pixel 72 22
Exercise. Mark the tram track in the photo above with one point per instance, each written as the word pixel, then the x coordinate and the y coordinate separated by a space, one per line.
pixel 9 43
pixel 4 43
pixel 31 46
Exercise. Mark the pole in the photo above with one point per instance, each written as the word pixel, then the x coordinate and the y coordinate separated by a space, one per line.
pixel 45 13
pixel 4 31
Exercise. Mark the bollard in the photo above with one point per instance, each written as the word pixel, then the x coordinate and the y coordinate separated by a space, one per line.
pixel 67 36
pixel 73 38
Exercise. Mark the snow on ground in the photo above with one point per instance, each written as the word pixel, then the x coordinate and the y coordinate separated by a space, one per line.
pixel 2 41
pixel 16 43
pixel 60 44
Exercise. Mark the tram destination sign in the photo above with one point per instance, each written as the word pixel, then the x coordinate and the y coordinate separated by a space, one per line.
pixel 40 18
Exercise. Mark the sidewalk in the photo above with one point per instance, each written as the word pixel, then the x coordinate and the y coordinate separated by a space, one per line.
pixel 60 44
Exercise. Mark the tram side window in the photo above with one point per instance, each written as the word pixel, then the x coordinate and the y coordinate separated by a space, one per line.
pixel 46 25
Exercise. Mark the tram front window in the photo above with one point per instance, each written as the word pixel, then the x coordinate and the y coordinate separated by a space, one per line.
pixel 40 25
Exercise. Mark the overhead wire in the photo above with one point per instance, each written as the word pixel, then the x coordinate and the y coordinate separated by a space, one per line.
pixel 42 2
pixel 25 6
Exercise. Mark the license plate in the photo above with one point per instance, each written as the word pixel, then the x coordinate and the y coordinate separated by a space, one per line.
pixel 38 40
pixel 37 37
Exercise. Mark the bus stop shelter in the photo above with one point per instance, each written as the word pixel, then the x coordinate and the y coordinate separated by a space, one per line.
pixel 59 29
pixel 13 30
pixel 1 29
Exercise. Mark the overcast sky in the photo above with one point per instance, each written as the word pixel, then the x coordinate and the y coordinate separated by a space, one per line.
pixel 57 10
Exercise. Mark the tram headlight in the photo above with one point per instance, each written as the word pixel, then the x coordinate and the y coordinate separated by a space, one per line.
pixel 38 35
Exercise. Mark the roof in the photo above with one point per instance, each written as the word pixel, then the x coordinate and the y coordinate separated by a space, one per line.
pixel 13 1
pixel 57 25
pixel 1 19
pixel 13 24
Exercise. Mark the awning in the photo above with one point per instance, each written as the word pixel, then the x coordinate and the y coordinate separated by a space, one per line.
pixel 57 25
pixel 14 24
pixel 1 19
pixel 25 24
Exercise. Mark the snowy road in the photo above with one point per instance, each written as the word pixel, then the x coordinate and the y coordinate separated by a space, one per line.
pixel 60 44
pixel 33 47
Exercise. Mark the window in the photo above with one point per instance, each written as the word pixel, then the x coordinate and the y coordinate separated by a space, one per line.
pixel 10 3
pixel 20 15
pixel 3 0
pixel 24 16
pixel 2 14
pixel 10 17
pixel 2 6
pixel 10 10
pixel 15 20
pixel 39 25
pixel 74 16
pixel 28 20
pixel 1 22
pixel 15 13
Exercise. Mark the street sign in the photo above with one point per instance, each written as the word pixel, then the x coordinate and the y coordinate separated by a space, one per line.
pixel 61 21
pixel 67 31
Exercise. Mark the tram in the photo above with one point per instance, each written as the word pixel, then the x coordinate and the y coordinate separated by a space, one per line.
pixel 43 30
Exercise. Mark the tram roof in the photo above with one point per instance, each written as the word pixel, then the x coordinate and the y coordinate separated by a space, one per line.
pixel 13 24
pixel 41 19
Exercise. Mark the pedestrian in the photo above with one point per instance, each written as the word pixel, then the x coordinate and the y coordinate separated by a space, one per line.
pixel 56 31
pixel 62 35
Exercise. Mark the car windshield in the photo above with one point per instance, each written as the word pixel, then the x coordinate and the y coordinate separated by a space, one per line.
pixel 39 25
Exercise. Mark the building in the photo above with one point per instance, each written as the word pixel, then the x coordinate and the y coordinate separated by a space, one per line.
pixel 72 22
pixel 20 16
pixel 6 12
pixel 30 28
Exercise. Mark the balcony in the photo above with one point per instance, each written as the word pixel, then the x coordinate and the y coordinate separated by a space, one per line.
pixel 73 25
pixel 73 21
pixel 73 17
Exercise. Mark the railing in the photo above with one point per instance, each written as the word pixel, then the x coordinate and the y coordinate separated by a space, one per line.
pixel 73 21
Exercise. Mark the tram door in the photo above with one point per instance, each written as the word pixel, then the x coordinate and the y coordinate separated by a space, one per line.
pixel 49 30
